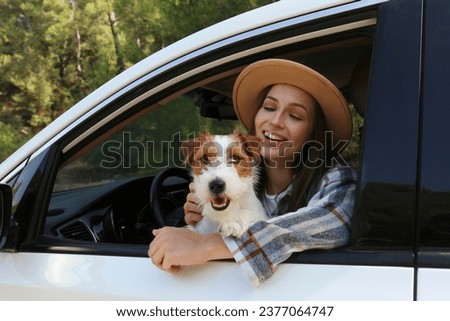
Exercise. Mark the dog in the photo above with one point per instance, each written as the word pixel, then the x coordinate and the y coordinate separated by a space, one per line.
pixel 224 173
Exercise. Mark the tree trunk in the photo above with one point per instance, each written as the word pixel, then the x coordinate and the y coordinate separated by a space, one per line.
pixel 113 24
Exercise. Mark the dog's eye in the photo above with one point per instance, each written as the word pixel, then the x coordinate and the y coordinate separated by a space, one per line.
pixel 235 160
pixel 205 160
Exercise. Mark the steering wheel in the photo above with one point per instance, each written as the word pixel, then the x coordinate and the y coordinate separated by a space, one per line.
pixel 172 213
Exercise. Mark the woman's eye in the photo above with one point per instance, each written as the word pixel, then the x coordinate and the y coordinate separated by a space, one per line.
pixel 295 117
pixel 269 108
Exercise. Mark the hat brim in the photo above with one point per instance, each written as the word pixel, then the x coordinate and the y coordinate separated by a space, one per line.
pixel 255 78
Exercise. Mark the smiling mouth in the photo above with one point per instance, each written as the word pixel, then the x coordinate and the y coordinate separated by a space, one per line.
pixel 220 203
pixel 272 137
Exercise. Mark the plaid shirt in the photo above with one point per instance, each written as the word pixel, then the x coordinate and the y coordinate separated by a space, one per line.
pixel 324 223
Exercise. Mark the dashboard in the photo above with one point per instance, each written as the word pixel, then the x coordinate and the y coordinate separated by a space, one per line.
pixel 116 212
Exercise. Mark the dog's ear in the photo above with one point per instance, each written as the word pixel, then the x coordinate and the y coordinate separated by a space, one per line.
pixel 252 145
pixel 188 149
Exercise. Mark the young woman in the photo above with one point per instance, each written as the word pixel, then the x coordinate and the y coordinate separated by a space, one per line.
pixel 295 111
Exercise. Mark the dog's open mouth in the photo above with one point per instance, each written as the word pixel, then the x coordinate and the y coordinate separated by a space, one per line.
pixel 220 203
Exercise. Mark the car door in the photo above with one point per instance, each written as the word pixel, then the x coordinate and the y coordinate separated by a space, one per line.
pixel 433 237
pixel 381 256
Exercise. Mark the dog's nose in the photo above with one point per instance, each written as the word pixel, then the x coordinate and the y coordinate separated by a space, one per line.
pixel 217 186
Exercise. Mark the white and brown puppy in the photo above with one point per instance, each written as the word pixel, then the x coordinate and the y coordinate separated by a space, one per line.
pixel 224 173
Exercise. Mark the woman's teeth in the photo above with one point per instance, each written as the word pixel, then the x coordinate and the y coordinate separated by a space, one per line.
pixel 271 136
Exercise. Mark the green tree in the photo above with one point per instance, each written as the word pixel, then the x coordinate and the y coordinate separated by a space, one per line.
pixel 52 53
pixel 148 26
pixel 55 52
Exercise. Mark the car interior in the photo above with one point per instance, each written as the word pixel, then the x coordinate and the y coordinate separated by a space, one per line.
pixel 130 178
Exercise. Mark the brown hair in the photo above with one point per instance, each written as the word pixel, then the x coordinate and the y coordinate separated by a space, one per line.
pixel 308 172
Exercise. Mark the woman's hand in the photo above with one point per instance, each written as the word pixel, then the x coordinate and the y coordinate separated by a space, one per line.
pixel 174 248
pixel 192 209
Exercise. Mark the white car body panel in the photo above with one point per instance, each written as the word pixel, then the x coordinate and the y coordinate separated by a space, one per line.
pixel 433 284
pixel 40 276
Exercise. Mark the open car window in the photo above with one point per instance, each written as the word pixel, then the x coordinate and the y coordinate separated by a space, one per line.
pixel 103 195
pixel 102 189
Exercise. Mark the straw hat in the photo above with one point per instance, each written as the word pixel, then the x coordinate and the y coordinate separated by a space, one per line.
pixel 259 75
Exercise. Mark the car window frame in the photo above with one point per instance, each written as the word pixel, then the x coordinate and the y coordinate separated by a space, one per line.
pixel 433 187
pixel 117 102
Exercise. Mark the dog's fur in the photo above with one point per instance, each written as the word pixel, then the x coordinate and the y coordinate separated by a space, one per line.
pixel 224 172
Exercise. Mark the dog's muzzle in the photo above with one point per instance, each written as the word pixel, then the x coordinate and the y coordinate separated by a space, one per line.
pixel 219 201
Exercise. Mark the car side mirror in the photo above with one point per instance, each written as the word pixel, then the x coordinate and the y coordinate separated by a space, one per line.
pixel 5 211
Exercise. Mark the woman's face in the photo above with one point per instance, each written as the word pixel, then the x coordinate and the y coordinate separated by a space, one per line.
pixel 284 123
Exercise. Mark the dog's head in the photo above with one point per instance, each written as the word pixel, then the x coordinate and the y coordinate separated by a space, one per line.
pixel 237 150
pixel 223 166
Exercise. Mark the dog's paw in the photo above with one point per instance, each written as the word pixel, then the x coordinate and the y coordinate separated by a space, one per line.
pixel 236 229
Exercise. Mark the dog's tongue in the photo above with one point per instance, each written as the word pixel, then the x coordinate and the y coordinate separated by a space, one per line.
pixel 220 203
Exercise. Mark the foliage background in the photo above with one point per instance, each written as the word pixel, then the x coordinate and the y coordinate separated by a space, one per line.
pixel 55 52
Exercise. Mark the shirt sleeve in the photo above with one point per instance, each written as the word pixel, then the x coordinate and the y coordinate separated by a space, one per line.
pixel 323 224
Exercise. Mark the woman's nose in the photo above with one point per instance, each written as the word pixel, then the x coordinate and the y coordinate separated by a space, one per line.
pixel 277 120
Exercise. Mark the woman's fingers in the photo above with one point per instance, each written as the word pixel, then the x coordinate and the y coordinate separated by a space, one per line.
pixel 191 214
pixel 154 251
pixel 192 210
pixel 174 247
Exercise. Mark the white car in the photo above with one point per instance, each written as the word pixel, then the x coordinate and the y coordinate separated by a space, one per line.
pixel 80 198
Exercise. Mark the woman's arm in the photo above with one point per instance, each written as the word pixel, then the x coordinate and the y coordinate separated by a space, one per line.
pixel 173 248
pixel 323 224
